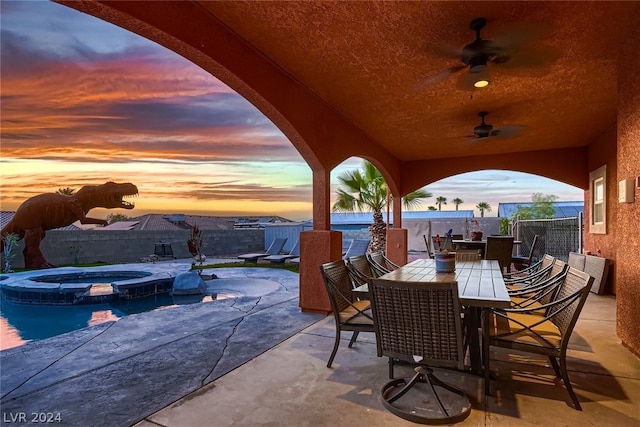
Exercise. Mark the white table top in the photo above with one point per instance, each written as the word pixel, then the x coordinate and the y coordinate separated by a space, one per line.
pixel 480 283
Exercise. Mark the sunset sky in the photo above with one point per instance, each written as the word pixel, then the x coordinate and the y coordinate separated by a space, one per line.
pixel 84 102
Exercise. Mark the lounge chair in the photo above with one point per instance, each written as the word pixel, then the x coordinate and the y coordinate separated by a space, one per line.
pixel 274 249
pixel 345 245
pixel 358 247
pixel 281 259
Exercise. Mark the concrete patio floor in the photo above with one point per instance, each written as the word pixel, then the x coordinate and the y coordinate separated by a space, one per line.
pixel 257 360
pixel 290 385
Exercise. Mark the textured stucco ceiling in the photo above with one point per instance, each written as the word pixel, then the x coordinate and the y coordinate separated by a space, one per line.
pixel 373 61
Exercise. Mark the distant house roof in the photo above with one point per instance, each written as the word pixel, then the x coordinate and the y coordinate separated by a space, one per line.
pixel 163 222
pixel 5 217
pixel 437 214
pixel 257 221
pixel 120 225
pixel 167 222
pixel 366 218
pixel 563 209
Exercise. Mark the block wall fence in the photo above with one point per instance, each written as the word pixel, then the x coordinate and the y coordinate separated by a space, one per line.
pixel 90 246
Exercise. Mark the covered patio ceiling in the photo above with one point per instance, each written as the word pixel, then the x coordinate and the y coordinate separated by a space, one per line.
pixel 384 80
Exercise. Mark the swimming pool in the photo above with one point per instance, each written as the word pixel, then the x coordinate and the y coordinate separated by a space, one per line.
pixel 21 323
pixel 43 303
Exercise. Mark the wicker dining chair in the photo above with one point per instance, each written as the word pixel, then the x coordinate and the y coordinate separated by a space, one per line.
pixel 500 248
pixel 380 264
pixel 350 314
pixel 548 335
pixel 359 269
pixel 520 262
pixel 420 325
pixel 544 270
pixel 541 293
pixel 467 255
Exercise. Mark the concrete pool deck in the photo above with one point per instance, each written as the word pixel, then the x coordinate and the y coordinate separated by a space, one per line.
pixel 117 373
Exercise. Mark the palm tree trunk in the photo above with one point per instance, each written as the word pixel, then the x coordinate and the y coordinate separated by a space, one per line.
pixel 378 231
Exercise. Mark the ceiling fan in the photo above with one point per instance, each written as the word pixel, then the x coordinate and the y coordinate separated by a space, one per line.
pixel 485 130
pixel 513 50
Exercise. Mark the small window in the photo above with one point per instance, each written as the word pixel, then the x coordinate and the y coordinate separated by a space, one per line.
pixel 598 205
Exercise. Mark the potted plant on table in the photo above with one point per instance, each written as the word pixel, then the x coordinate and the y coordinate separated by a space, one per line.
pixel 476 233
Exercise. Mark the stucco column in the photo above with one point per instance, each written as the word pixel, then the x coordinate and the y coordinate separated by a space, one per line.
pixel 318 246
pixel 397 237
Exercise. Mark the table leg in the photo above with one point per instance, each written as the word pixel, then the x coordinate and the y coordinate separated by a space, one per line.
pixel 486 313
pixel 473 325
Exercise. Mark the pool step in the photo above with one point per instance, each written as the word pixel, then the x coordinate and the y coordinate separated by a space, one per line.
pixel 100 289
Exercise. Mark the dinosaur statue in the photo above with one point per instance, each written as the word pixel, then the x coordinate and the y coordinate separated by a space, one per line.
pixel 51 210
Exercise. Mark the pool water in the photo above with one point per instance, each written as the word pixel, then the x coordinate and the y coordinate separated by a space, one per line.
pixel 21 323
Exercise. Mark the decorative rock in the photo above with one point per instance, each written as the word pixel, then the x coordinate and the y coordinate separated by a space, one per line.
pixel 189 283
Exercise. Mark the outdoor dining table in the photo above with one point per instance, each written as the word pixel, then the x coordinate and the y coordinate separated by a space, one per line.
pixel 480 286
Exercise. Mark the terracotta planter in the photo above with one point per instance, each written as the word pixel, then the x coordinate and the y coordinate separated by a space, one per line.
pixel 476 235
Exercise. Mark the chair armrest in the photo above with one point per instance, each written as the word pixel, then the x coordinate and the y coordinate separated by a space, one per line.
pixel 559 302
pixel 529 270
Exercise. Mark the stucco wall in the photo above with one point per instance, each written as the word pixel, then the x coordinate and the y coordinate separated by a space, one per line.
pixel 601 152
pixel 89 246
pixel 628 214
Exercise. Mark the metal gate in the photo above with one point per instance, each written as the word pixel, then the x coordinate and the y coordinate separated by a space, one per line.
pixel 557 237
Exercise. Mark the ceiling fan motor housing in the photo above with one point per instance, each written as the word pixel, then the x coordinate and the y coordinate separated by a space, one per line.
pixel 477 54
pixel 483 131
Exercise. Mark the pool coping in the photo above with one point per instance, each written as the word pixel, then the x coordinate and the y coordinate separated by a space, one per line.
pixel 158 270
pixel 80 292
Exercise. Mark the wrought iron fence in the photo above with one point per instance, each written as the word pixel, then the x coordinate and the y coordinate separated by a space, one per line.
pixel 557 237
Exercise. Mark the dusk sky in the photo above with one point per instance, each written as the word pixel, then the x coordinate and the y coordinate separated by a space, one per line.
pixel 85 102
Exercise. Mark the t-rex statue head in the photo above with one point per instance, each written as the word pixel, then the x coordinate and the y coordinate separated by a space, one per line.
pixel 108 195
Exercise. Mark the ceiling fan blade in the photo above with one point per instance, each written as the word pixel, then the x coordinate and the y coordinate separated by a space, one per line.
pixel 442 75
pixel 531 57
pixel 520 35
pixel 444 50
pixel 521 46
pixel 507 132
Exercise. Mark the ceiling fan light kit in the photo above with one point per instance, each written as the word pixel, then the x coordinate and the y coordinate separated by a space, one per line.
pixel 475 54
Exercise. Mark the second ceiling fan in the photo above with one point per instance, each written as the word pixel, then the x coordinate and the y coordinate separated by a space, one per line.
pixel 485 130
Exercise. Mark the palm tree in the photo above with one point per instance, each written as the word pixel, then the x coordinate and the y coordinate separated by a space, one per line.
pixel 457 201
pixel 483 206
pixel 441 201
pixel 66 191
pixel 366 190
